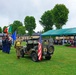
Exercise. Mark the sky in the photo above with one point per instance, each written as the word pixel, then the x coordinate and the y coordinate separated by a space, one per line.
pixel 11 10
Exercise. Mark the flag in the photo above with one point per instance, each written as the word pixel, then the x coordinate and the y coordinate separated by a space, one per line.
pixel 10 29
pixel 40 48
pixel 6 30
pixel 14 35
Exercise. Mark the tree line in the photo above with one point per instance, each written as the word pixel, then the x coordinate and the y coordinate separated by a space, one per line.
pixel 57 16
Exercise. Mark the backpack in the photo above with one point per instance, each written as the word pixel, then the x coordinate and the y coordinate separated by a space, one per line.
pixel 18 43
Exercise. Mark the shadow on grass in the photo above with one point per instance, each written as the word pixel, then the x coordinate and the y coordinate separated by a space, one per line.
pixel 29 58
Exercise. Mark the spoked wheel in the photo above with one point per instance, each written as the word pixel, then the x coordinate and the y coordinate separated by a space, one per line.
pixel 34 56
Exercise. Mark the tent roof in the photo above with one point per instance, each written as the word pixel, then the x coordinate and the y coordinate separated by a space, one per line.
pixel 60 32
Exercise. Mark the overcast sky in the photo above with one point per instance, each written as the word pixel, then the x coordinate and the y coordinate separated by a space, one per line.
pixel 11 10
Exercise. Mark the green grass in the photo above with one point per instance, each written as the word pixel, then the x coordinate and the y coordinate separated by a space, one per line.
pixel 63 62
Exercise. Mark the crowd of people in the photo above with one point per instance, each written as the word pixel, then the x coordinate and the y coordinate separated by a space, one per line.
pixel 7 43
pixel 65 41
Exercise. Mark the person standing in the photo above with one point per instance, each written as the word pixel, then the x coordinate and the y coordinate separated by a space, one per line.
pixel 51 41
pixel 3 44
pixel 18 47
pixel 8 44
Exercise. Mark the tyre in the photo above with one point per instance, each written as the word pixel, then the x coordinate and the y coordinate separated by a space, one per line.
pixel 22 53
pixel 48 57
pixel 51 50
pixel 34 56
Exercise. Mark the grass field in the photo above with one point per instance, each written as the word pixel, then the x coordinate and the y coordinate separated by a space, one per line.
pixel 63 62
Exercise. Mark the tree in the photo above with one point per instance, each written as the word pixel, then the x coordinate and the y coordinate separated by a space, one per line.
pixel 15 25
pixel 0 30
pixel 4 28
pixel 21 30
pixel 60 15
pixel 30 24
pixel 46 20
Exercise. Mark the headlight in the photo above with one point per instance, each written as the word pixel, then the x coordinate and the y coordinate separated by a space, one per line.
pixel 45 49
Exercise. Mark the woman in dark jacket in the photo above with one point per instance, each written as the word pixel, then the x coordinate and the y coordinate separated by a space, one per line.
pixel 3 44
pixel 8 44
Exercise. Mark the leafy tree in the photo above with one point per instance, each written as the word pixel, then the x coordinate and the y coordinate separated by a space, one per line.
pixel 4 28
pixel 60 15
pixel 46 20
pixel 30 24
pixel 21 30
pixel 15 25
pixel 0 30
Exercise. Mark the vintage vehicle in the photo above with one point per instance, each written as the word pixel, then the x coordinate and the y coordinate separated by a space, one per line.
pixel 31 49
